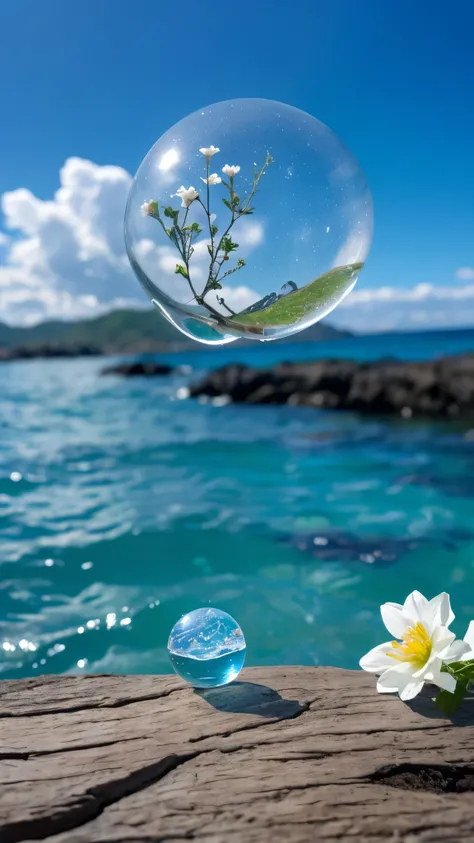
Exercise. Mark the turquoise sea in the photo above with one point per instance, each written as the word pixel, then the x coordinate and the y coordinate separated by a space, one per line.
pixel 123 506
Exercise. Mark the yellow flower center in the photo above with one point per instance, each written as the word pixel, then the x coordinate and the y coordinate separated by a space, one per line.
pixel 415 647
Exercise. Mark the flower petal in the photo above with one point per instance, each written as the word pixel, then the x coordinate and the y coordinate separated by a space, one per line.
pixel 394 620
pixel 376 660
pixel 469 639
pixel 411 690
pixel 443 680
pixel 458 651
pixel 416 607
pixel 441 640
pixel 441 612
pixel 396 679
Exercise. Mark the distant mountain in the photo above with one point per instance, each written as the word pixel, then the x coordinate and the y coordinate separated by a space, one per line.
pixel 122 331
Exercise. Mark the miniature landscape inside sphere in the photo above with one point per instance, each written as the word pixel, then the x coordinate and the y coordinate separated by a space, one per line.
pixel 248 218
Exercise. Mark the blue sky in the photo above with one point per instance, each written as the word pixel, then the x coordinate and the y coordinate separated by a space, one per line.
pixel 101 81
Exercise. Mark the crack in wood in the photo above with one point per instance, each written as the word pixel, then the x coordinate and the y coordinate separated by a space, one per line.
pixel 97 799
pixel 304 707
pixel 40 753
pixel 73 709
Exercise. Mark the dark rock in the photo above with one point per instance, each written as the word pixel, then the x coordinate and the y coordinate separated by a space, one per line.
pixel 139 368
pixel 439 388
pixel 45 351
pixel 345 547
pixel 339 546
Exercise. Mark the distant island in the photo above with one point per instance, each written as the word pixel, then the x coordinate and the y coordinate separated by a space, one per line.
pixel 118 332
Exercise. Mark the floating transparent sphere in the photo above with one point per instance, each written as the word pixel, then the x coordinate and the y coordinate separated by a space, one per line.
pixel 249 218
pixel 207 648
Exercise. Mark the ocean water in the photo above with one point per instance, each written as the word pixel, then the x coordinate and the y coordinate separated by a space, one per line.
pixel 123 507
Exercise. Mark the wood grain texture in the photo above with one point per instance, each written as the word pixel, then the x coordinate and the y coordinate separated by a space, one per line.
pixel 294 754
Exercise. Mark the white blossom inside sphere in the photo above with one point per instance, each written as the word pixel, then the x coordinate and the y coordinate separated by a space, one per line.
pixel 207 648
pixel 262 247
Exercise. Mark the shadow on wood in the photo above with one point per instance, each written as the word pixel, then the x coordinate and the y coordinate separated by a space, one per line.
pixel 424 704
pixel 249 697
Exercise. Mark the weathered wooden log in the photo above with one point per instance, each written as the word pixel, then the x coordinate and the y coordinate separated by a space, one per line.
pixel 288 753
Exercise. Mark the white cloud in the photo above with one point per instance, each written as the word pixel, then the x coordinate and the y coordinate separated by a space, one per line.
pixel 395 308
pixel 67 258
pixel 353 250
pixel 420 292
pixel 465 273
pixel 248 233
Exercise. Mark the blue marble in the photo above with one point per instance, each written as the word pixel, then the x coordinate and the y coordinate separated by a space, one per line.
pixel 207 648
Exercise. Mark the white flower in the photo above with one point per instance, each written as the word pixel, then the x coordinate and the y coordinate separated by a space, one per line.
pixel 187 195
pixel 426 644
pixel 231 171
pixel 213 179
pixel 209 151
pixel 469 640
pixel 148 208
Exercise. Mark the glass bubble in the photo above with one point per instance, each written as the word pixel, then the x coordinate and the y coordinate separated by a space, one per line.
pixel 270 243
pixel 207 648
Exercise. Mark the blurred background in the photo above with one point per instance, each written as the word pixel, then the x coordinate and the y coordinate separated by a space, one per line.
pixel 123 501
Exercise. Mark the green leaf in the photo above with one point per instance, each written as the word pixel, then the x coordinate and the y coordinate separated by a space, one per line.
pixel 193 227
pixel 181 270
pixel 240 263
pixel 227 244
pixel 209 249
pixel 227 204
pixel 171 213
pixel 463 671
pixel 235 200
pixel 449 703
pixel 214 230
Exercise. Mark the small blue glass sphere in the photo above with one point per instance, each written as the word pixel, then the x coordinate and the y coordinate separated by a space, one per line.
pixel 207 648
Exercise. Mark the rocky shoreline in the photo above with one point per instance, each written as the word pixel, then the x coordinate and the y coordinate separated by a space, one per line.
pixel 139 368
pixel 441 388
pixel 48 351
